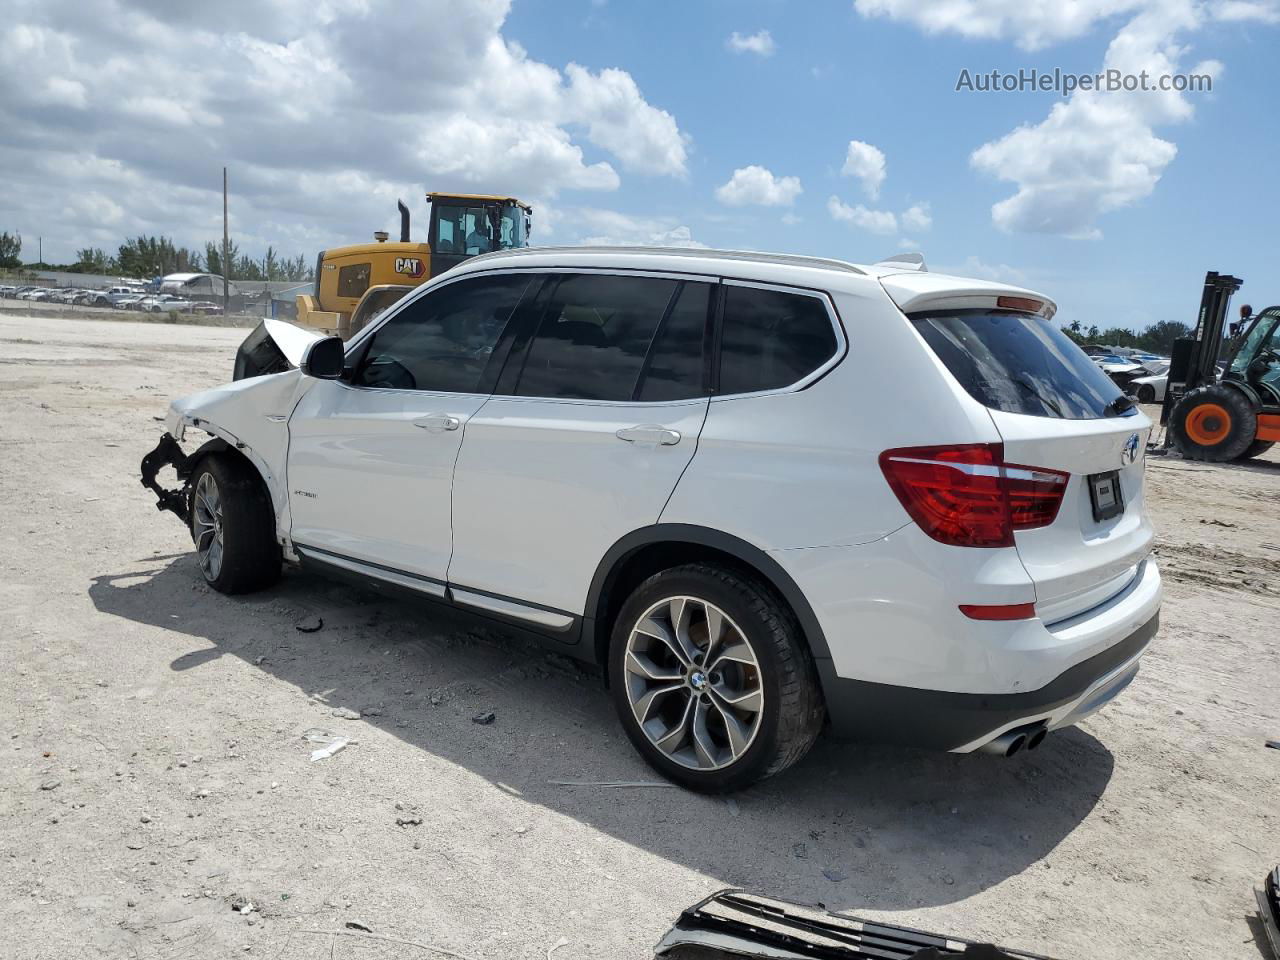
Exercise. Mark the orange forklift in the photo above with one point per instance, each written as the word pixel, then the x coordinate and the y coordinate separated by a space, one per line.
pixel 1232 413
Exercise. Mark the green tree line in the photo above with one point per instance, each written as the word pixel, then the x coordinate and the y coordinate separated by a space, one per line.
pixel 1156 338
pixel 145 257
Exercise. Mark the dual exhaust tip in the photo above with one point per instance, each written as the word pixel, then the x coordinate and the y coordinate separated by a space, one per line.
pixel 1020 738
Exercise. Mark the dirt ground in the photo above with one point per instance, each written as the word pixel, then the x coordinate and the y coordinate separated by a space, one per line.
pixel 153 773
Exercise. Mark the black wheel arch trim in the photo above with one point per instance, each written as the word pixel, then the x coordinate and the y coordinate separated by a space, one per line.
pixel 677 533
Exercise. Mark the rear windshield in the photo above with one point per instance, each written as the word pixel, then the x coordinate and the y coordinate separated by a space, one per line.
pixel 1018 363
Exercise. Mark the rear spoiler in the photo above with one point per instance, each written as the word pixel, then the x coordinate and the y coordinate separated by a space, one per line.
pixel 914 292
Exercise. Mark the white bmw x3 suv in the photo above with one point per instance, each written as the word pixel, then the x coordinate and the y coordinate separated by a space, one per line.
pixel 765 492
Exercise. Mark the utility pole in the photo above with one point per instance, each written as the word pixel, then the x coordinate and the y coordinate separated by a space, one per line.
pixel 226 250
pixel 40 246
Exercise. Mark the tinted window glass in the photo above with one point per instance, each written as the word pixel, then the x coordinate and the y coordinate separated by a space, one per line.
pixel 771 339
pixel 353 280
pixel 674 367
pixel 593 337
pixel 443 340
pixel 1019 363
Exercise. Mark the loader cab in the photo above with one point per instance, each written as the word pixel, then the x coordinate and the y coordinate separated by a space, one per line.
pixel 464 226
pixel 1256 360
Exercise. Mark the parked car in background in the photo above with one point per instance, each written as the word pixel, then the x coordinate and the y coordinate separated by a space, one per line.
pixel 656 461
pixel 206 307
pixel 166 302
pixel 1125 378
pixel 116 294
pixel 1149 385
pixel 7 290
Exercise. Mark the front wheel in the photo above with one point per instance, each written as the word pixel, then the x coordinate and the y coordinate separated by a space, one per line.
pixel 711 679
pixel 1146 393
pixel 233 526
pixel 1216 423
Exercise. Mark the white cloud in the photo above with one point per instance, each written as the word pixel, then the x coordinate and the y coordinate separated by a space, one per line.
pixel 611 228
pixel 873 221
pixel 1032 24
pixel 917 217
pixel 1097 152
pixel 1261 11
pixel 758 186
pixel 760 43
pixel 865 162
pixel 147 99
pixel 618 119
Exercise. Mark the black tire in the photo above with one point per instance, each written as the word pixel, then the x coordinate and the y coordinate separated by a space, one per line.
pixel 793 711
pixel 250 556
pixel 1199 430
pixel 1257 449
pixel 1146 393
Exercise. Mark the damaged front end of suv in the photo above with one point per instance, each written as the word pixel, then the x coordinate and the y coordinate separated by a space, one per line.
pixel 230 492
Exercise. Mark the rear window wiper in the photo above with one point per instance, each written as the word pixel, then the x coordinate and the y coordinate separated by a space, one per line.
pixel 1039 396
pixel 1118 406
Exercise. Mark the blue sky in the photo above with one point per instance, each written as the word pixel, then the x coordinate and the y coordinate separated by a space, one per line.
pixel 1115 205
pixel 836 76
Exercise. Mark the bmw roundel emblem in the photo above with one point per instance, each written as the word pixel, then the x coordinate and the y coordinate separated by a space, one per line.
pixel 1130 452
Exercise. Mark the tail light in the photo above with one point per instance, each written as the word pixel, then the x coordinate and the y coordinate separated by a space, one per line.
pixel 967 496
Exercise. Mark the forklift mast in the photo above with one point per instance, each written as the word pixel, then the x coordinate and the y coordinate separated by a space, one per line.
pixel 1194 359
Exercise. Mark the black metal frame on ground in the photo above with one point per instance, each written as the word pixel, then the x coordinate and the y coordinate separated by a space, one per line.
pixel 733 923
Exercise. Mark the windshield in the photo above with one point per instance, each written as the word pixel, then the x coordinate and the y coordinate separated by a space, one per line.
pixel 1018 363
pixel 1262 330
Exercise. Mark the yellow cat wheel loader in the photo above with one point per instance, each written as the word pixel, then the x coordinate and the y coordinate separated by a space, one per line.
pixel 461 226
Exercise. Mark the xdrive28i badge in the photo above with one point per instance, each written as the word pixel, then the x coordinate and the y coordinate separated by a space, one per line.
pixel 1130 452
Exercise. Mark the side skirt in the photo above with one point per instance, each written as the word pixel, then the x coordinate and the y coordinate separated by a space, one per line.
pixel 557 630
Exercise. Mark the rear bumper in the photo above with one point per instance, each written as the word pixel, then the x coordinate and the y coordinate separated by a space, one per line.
pixel 962 722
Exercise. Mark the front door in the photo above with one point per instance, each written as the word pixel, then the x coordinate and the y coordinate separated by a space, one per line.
pixel 594 420
pixel 371 457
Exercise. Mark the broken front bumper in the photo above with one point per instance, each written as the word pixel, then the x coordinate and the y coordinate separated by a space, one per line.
pixel 732 923
pixel 169 454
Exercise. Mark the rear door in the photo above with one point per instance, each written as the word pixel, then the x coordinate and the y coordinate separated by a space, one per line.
pixel 597 416
pixel 1055 409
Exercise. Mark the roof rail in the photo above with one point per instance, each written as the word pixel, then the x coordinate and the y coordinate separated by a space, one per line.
pixel 705 253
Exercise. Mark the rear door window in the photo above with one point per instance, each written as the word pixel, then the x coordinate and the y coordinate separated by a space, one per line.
pixel 593 337
pixel 674 367
pixel 772 339
pixel 1019 363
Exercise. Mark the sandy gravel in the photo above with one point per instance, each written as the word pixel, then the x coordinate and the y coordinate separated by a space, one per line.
pixel 154 774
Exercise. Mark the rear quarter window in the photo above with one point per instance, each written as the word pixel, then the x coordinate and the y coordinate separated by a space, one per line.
pixel 1018 363
pixel 772 339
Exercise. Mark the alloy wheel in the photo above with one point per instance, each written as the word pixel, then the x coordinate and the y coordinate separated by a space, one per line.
pixel 208 526
pixel 694 683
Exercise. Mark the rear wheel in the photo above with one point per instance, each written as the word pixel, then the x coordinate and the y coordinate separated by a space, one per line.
pixel 711 679
pixel 1215 423
pixel 1257 449
pixel 1146 393
pixel 233 526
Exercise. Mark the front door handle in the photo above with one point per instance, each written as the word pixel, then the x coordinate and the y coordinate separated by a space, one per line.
pixel 649 433
pixel 438 423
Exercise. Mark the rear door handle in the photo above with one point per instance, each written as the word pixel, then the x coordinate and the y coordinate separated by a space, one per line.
pixel 649 433
pixel 438 423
